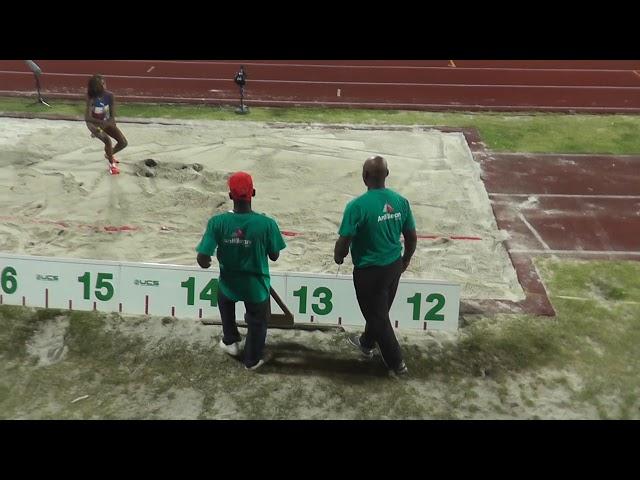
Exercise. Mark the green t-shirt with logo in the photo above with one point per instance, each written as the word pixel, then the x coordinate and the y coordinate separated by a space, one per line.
pixel 376 220
pixel 243 241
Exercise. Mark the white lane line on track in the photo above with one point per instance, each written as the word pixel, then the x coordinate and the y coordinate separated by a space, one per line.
pixel 320 82
pixel 534 231
pixel 562 195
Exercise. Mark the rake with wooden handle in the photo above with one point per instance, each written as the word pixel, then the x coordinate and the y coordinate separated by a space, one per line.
pixel 280 319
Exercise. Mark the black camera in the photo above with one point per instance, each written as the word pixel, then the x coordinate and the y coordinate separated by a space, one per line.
pixel 241 77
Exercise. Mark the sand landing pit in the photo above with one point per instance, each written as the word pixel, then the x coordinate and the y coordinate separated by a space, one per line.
pixel 58 200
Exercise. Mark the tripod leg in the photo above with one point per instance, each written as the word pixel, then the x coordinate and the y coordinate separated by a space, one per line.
pixel 40 99
pixel 38 87
pixel 242 105
pixel 242 108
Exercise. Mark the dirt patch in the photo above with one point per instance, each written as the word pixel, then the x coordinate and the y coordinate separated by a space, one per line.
pixel 47 344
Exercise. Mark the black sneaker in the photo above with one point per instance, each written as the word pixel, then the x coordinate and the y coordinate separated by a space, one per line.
pixel 355 341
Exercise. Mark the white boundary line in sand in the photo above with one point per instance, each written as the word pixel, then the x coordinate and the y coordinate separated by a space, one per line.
pixel 575 252
pixel 534 231
pixel 565 195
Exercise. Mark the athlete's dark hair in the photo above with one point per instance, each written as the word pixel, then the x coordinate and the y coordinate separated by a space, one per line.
pixel 94 86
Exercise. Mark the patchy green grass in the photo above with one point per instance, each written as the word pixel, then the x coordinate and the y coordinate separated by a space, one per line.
pixel 524 132
pixel 584 363
pixel 19 326
pixel 601 301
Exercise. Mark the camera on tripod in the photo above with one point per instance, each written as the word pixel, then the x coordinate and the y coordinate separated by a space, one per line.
pixel 37 71
pixel 241 77
pixel 241 81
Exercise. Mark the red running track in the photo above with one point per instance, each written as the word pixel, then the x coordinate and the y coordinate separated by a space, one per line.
pixel 578 206
pixel 581 86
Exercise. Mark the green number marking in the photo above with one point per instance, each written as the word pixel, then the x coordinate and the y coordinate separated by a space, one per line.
pixel 190 285
pixel 302 294
pixel 8 281
pixel 433 314
pixel 415 301
pixel 210 292
pixel 326 301
pixel 85 280
pixel 322 293
pixel 101 283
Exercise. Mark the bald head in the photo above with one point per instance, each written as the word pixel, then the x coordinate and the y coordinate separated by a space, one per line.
pixel 375 171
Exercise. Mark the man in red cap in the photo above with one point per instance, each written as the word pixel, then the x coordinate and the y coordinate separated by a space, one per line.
pixel 244 239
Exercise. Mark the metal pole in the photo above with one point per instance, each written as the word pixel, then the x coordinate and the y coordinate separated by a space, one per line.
pixel 37 71
pixel 40 99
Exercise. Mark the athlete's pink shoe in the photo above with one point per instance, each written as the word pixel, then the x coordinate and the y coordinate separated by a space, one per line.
pixel 113 170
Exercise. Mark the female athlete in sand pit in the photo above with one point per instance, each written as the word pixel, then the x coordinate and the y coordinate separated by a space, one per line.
pixel 101 120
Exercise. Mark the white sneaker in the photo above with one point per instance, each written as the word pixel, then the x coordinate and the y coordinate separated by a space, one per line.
pixel 400 371
pixel 234 349
pixel 260 363
pixel 265 358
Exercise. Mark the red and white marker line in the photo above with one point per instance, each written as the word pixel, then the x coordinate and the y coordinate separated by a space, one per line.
pixel 62 224
pixel 288 233
pixel 133 228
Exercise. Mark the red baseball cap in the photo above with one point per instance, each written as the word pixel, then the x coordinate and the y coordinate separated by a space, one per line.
pixel 241 186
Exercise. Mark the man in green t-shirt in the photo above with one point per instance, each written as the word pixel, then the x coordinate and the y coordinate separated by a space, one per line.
pixel 371 225
pixel 244 239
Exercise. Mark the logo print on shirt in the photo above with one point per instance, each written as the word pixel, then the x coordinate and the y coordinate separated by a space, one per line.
pixel 237 238
pixel 388 214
